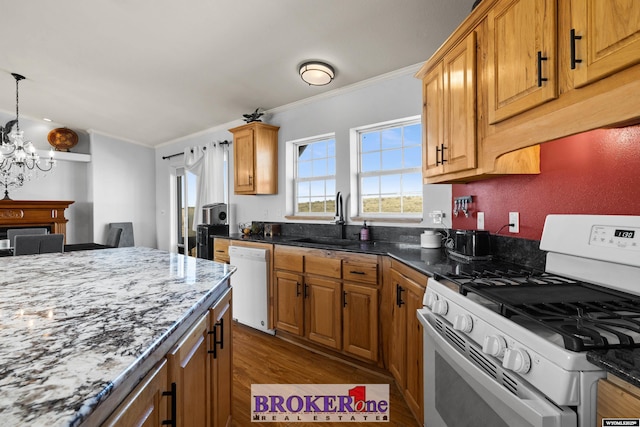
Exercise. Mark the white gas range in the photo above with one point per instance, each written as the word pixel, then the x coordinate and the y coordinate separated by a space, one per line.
pixel 508 347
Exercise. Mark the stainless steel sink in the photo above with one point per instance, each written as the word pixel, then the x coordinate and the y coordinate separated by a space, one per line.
pixel 327 241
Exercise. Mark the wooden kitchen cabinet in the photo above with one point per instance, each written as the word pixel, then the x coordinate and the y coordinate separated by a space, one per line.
pixel 406 352
pixel 221 250
pixel 521 57
pixel 289 302
pixel 323 307
pixel 221 358
pixel 255 158
pixel 146 405
pixel 449 112
pixel 605 38
pixel 190 370
pixel 360 320
pixel 617 399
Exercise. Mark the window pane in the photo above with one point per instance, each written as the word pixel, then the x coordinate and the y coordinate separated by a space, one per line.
pixel 331 188
pixel 371 162
pixel 319 149
pixel 304 169
pixel 370 185
pixel 392 159
pixel 413 157
pixel 413 135
pixel 303 205
pixel 392 138
pixel 303 189
pixel 412 183
pixel 370 204
pixel 320 167
pixel 316 159
pixel 331 166
pixel 390 184
pixel 317 188
pixel 317 204
pixel 391 204
pixel 303 152
pixel 412 204
pixel 370 141
pixel 331 148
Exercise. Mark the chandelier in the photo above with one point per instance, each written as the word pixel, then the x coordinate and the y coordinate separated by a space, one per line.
pixel 19 161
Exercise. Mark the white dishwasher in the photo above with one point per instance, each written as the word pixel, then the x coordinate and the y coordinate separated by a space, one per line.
pixel 250 287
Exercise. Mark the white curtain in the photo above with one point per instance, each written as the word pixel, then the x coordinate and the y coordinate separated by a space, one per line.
pixel 207 164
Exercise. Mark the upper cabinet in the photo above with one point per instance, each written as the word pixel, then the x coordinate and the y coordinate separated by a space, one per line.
pixel 517 73
pixel 255 158
pixel 604 38
pixel 521 57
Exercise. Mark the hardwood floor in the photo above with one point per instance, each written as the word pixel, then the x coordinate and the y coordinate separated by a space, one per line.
pixel 259 358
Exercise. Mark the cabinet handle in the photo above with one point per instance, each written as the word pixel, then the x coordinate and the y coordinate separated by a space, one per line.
pixel 442 148
pixel 540 59
pixel 357 272
pixel 399 290
pixel 214 332
pixel 250 180
pixel 437 153
pixel 219 250
pixel 173 394
pixel 574 61
pixel 305 291
pixel 344 298
pixel 297 289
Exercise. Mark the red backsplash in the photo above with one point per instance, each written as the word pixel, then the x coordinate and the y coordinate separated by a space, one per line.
pixel 596 172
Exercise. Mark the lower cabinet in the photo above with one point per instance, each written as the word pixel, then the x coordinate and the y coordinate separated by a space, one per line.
pixel 191 386
pixel 323 308
pixel 617 399
pixel 289 303
pixel 360 320
pixel 405 350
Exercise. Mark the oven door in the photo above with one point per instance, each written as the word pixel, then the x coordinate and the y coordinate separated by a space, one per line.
pixel 459 391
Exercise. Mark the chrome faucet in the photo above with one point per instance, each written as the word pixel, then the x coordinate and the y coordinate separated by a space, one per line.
pixel 339 218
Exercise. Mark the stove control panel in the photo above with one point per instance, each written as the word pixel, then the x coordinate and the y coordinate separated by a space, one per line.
pixel 517 360
pixel 615 237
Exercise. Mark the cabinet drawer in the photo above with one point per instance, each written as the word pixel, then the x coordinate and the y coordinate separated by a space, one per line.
pixel 329 267
pixel 360 272
pixel 288 259
pixel 221 250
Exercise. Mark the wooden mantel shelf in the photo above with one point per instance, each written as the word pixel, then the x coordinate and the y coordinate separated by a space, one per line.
pixel 27 213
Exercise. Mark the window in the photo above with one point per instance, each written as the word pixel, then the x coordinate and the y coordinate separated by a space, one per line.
pixel 390 169
pixel 315 175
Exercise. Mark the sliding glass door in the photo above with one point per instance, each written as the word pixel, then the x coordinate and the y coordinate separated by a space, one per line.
pixel 185 203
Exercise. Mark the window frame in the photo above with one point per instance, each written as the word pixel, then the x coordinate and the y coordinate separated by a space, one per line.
pixel 295 144
pixel 357 174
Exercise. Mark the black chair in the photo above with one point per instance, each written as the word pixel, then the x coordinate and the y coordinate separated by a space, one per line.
pixel 13 232
pixel 30 244
pixel 113 237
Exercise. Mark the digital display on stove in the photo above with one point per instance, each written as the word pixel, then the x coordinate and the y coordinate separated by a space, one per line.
pixel 625 234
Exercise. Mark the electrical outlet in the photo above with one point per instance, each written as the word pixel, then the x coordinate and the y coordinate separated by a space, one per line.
pixel 480 221
pixel 436 217
pixel 514 218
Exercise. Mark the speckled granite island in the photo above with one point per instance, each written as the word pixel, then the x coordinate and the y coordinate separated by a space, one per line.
pixel 78 330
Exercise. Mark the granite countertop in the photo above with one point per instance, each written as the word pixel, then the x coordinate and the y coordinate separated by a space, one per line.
pixel 623 363
pixel 79 327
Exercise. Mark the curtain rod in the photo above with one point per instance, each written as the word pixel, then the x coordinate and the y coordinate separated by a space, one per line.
pixel 225 142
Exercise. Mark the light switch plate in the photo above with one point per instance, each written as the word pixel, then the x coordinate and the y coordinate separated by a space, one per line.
pixel 480 221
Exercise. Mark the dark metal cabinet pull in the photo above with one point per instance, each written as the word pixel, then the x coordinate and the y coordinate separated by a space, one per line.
pixel 305 290
pixel 214 332
pixel 574 60
pixel 399 290
pixel 540 59
pixel 356 272
pixel 297 289
pixel 344 298
pixel 173 394
pixel 437 156
pixel 442 148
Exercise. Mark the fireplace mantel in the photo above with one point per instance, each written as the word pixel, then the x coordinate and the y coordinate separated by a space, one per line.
pixel 33 213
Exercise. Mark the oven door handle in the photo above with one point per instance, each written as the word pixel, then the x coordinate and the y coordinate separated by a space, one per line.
pixel 532 410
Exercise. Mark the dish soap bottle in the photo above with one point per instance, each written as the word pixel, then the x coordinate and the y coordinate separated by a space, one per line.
pixel 364 233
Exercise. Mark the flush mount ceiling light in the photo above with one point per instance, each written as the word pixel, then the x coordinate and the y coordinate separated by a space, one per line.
pixel 317 73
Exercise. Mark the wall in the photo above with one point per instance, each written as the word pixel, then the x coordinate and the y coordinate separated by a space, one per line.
pixel 394 96
pixel 122 188
pixel 67 181
pixel 596 172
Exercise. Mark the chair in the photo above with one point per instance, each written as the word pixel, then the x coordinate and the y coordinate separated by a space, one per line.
pixel 126 238
pixel 13 232
pixel 113 237
pixel 30 244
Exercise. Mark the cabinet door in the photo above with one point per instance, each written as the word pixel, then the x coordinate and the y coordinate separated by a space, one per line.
pixel 520 32
pixel 432 122
pixel 360 320
pixel 414 379
pixel 324 311
pixel 221 362
pixel 398 345
pixel 221 250
pixel 189 369
pixel 610 37
pixel 244 161
pixel 145 406
pixel 289 302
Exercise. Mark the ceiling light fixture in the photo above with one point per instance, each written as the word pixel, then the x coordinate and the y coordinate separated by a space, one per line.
pixel 19 160
pixel 317 73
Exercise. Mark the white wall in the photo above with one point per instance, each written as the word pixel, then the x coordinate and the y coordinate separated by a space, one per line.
pixel 67 181
pixel 122 188
pixel 378 100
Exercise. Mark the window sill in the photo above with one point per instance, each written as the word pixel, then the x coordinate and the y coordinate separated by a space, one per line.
pixel 309 218
pixel 386 219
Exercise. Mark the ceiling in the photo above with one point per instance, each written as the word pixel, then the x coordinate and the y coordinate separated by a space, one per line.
pixel 152 71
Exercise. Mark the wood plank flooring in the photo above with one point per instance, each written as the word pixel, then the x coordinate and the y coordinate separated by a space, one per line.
pixel 259 358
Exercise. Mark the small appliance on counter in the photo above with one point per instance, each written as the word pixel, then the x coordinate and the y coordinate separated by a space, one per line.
pixel 430 239
pixel 271 230
pixel 471 244
pixel 215 214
